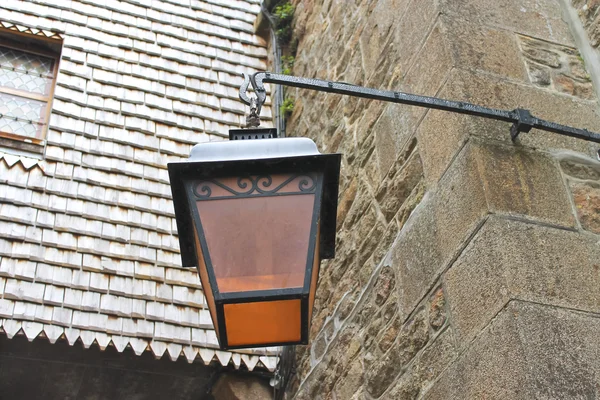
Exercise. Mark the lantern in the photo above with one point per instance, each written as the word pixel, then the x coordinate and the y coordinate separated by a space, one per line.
pixel 255 217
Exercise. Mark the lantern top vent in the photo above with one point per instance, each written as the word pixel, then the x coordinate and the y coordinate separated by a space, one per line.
pixel 253 134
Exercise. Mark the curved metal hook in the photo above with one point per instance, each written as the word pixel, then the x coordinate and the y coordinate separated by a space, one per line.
pixel 244 88
pixel 259 88
pixel 253 120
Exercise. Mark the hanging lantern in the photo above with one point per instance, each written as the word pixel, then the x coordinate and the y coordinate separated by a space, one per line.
pixel 255 217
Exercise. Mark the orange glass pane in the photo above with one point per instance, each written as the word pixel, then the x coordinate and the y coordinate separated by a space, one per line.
pixel 262 322
pixel 258 242
pixel 210 300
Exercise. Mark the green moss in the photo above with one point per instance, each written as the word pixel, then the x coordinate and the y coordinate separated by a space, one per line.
pixel 287 64
pixel 287 107
pixel 284 14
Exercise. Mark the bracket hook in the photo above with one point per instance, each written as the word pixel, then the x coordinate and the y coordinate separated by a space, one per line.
pixel 255 103
pixel 525 122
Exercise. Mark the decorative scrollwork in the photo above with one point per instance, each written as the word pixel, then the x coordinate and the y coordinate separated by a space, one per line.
pixel 306 186
pixel 254 186
pixel 242 183
pixel 205 190
pixel 265 181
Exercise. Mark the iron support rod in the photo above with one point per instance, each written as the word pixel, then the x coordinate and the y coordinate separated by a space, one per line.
pixel 521 119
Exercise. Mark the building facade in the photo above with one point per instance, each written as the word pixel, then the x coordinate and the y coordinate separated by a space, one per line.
pixel 96 97
pixel 467 266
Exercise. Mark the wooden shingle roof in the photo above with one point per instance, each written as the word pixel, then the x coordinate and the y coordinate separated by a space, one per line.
pixel 88 241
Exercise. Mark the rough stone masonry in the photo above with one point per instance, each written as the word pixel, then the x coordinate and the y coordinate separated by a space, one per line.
pixel 467 267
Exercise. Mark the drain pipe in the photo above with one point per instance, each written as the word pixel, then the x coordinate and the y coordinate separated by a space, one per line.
pixel 277 92
pixel 588 53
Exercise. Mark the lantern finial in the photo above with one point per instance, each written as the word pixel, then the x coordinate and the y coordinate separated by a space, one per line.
pixel 255 103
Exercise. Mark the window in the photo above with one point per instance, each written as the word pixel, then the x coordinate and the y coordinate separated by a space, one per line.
pixel 28 68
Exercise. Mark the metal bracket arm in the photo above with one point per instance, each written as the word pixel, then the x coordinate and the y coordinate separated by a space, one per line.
pixel 522 120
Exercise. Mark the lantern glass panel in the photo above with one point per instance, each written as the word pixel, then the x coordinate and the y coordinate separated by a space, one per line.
pixel 257 236
pixel 263 322
pixel 210 299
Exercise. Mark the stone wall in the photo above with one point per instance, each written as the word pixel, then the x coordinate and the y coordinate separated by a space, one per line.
pixel 589 12
pixel 466 265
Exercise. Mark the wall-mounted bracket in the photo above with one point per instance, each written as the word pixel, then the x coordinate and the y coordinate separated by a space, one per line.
pixel 522 120
pixel 524 123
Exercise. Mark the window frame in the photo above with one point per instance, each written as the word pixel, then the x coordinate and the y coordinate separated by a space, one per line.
pixel 9 39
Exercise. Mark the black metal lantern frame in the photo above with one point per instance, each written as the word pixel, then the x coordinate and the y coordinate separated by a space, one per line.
pixel 315 174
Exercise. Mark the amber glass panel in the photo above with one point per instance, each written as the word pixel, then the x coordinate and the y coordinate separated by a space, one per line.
pixel 258 243
pixel 263 323
pixel 210 300
pixel 314 278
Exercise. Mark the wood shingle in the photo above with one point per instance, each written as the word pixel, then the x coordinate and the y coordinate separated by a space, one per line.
pixel 88 245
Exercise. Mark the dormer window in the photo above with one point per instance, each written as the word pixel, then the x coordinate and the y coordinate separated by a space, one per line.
pixel 28 69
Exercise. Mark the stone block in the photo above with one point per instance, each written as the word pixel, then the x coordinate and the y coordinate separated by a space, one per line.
pixel 352 380
pixel 441 134
pixel 392 132
pixel 484 48
pixel 437 309
pixel 492 368
pixel 237 387
pixel 561 347
pixel 578 167
pixel 389 335
pixel 557 67
pixel 411 32
pixel 437 229
pixel 542 19
pixel 460 203
pixel 431 65
pixel 483 179
pixel 428 365
pixel 376 28
pixel 345 203
pixel 416 256
pixel 587 203
pixel 384 285
pixel 381 371
pixel 395 149
pixel 413 336
pixel 528 351
pixel 519 182
pixel 510 259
